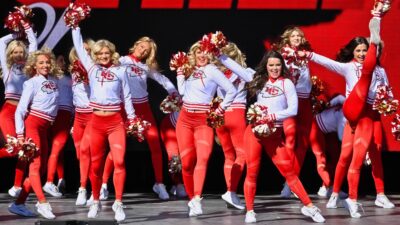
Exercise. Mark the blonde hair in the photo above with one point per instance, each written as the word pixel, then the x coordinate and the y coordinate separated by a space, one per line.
pixel 285 38
pixel 73 56
pixel 151 61
pixel 30 64
pixel 192 55
pixel 233 52
pixel 99 45
pixel 10 49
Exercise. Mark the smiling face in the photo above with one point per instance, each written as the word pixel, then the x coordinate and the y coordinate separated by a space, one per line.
pixel 274 67
pixel 42 65
pixel 104 56
pixel 200 57
pixel 142 50
pixel 295 39
pixel 360 52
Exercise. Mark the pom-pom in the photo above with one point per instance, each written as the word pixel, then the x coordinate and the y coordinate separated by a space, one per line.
pixel 213 42
pixel 396 127
pixel 291 56
pixel 136 127
pixel 215 119
pixel 172 103
pixel 79 73
pixel 175 165
pixel 25 152
pixel 257 116
pixel 12 145
pixel 14 19
pixel 75 13
pixel 381 7
pixel 180 61
pixel 384 102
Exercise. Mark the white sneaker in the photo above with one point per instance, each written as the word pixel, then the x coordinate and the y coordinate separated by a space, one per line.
pixel 81 199
pixel 195 207
pixel 94 209
pixel 161 191
pixel 21 210
pixel 45 210
pixel 384 202
pixel 352 206
pixel 118 208
pixel 333 202
pixel 250 217
pixel 181 191
pixel 323 191
pixel 89 202
pixel 342 195
pixel 104 192
pixel 314 213
pixel 14 191
pixel 52 190
pixel 232 199
pixel 61 185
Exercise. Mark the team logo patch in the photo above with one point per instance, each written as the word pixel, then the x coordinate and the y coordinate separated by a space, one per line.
pixel 271 91
pixel 105 76
pixel 197 74
pixel 49 86
pixel 134 71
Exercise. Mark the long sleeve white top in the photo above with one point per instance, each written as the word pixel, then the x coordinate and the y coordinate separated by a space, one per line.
pixel 199 88
pixel 332 120
pixel 279 96
pixel 240 100
pixel 301 79
pixel 81 92
pixel 65 93
pixel 14 78
pixel 138 73
pixel 351 72
pixel 39 98
pixel 106 84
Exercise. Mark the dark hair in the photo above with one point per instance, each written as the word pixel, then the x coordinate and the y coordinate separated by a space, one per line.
pixel 261 75
pixel 346 53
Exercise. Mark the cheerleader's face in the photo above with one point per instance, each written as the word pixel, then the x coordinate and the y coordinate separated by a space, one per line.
pixel 104 56
pixel 360 52
pixel 142 50
pixel 201 58
pixel 274 68
pixel 295 39
pixel 17 54
pixel 42 65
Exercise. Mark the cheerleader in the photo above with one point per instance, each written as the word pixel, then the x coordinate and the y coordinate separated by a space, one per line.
pixel 195 137
pixel 231 133
pixel 279 95
pixel 109 89
pixel 358 68
pixel 297 129
pixel 36 111
pixel 13 54
pixel 59 133
pixel 83 115
pixel 168 136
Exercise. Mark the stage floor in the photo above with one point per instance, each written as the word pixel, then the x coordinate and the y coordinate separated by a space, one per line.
pixel 145 208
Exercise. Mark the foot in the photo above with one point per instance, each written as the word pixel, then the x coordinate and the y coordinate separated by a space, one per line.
pixel 45 210
pixel 250 217
pixel 333 202
pixel 89 202
pixel 21 210
pixel 181 191
pixel 118 208
pixel 323 192
pixel 159 188
pixel 104 192
pixel 352 207
pixel 313 212
pixel 195 208
pixel 94 210
pixel 14 191
pixel 52 190
pixel 232 199
pixel 81 199
pixel 384 202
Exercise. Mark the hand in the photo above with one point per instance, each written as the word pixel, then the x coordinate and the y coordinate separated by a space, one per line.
pixel 271 117
pixel 220 111
pixel 179 71
pixel 303 53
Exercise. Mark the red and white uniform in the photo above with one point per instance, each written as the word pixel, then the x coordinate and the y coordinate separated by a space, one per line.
pixel 36 110
pixel 195 138
pixel 332 119
pixel 109 88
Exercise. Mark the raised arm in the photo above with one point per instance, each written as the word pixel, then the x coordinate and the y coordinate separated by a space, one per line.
pixel 332 65
pixel 33 45
pixel 163 81
pixel 225 84
pixel 83 56
pixel 246 74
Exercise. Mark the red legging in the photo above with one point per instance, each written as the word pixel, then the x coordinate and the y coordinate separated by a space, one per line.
pixel 168 135
pixel 111 128
pixel 303 122
pixel 143 110
pixel 59 132
pixel 375 152
pixel 274 146
pixel 195 141
pixel 356 102
pixel 35 128
pixel 232 142
pixel 7 126
pixel 81 136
